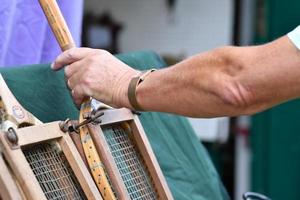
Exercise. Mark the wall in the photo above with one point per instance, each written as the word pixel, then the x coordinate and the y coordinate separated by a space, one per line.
pixel 195 26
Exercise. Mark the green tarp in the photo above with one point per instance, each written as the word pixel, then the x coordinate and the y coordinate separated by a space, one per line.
pixel 184 161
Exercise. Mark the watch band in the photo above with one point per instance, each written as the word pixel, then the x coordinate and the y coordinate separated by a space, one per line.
pixel 135 81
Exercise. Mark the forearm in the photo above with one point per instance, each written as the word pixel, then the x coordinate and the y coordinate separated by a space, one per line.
pixel 227 81
pixel 187 88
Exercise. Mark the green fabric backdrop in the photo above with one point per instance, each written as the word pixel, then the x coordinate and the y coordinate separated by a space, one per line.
pixel 275 138
pixel 184 161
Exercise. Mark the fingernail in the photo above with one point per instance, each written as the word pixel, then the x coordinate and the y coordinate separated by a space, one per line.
pixel 52 65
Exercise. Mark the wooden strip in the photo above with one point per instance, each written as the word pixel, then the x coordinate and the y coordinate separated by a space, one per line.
pixel 8 187
pixel 112 116
pixel 108 161
pixel 22 170
pixel 35 134
pixel 77 142
pixel 145 149
pixel 82 174
pixel 93 158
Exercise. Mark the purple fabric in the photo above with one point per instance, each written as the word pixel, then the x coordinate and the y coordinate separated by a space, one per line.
pixel 72 11
pixel 26 38
pixel 7 8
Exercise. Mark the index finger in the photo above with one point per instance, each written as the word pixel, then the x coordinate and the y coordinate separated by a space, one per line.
pixel 70 56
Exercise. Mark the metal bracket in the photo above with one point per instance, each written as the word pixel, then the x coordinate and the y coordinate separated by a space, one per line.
pixel 12 138
pixel 72 126
pixel 68 126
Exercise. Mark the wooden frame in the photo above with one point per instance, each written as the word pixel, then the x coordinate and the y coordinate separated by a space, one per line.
pixel 14 112
pixel 123 116
pixel 9 189
pixel 13 115
pixel 22 170
pixel 139 138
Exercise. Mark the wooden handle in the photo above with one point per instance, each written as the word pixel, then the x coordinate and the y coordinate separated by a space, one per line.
pixel 65 40
pixel 58 24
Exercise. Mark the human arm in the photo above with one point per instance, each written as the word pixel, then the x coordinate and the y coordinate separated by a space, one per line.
pixel 228 81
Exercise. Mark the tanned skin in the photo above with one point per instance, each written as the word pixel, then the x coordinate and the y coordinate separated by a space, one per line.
pixel 228 81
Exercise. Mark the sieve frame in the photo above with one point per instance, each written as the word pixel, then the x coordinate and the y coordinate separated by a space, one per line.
pixel 22 170
pixel 141 142
pixel 9 189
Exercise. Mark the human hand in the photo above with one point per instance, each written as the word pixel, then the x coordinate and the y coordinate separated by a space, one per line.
pixel 96 73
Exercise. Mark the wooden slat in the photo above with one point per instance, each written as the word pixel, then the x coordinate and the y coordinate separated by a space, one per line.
pixel 116 115
pixel 108 161
pixel 22 171
pixel 145 149
pixel 79 168
pixel 77 142
pixel 93 158
pixel 35 134
pixel 8 187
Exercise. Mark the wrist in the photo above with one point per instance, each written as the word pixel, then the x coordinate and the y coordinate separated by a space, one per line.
pixel 132 89
pixel 120 99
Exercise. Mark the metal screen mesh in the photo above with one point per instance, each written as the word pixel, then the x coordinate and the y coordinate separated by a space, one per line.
pixel 53 172
pixel 129 163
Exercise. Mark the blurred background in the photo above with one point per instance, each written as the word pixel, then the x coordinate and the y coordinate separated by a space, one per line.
pixel 259 153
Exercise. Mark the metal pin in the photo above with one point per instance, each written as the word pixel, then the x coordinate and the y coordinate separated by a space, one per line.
pixel 69 126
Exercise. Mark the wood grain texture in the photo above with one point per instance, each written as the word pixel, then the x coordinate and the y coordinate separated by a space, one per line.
pixel 108 161
pixel 65 40
pixel 36 134
pixel 46 132
pixel 112 116
pixel 79 168
pixel 152 165
pixel 57 24
pixel 124 117
pixel 22 171
pixel 77 142
pixel 95 163
pixel 8 187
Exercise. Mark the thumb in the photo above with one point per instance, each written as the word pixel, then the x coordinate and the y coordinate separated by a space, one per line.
pixel 70 56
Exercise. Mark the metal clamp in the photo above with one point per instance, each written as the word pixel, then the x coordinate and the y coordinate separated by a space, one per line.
pixel 12 138
pixel 72 126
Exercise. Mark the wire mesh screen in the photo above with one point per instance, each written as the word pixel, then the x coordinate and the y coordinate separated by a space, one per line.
pixel 53 172
pixel 129 163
